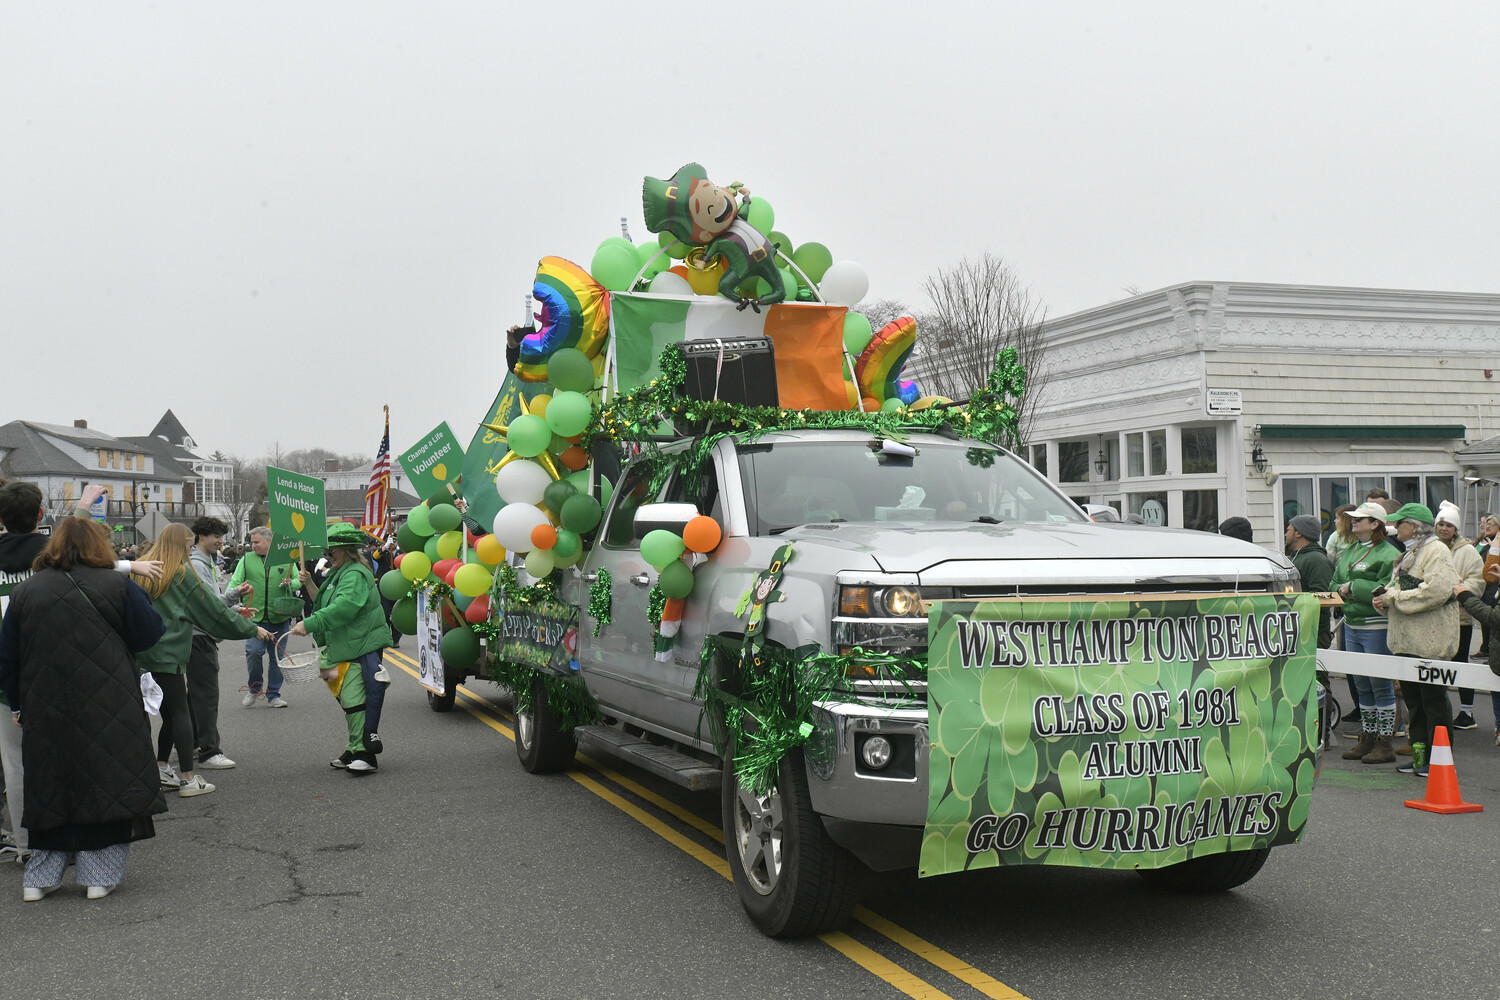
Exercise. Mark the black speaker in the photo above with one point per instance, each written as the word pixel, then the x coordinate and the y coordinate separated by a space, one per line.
pixel 732 369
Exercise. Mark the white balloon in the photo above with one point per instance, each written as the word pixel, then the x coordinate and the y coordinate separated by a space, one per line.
pixel 514 524
pixel 522 481
pixel 844 284
pixel 667 283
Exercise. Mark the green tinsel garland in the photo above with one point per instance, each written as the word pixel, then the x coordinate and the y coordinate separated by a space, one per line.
pixel 566 696
pixel 770 713
pixel 437 592
pixel 601 602
pixel 657 602
pixel 515 593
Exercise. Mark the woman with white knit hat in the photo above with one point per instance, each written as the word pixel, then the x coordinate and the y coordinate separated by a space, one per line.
pixel 1469 566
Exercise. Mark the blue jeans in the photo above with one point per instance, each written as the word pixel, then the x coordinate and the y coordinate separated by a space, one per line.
pixel 374 690
pixel 1373 692
pixel 255 650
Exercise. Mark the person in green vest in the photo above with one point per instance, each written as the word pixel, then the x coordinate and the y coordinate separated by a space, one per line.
pixel 347 621
pixel 182 601
pixel 259 587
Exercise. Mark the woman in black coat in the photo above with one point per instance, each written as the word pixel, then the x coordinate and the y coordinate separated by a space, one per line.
pixel 67 668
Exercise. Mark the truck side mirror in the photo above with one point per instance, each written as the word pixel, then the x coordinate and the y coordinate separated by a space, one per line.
pixel 671 516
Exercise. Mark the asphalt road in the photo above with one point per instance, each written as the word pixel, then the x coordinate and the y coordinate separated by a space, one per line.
pixel 453 873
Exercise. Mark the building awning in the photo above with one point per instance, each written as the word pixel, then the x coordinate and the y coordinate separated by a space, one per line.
pixel 1362 432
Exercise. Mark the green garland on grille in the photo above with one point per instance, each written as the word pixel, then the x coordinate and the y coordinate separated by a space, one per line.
pixel 601 601
pixel 566 696
pixel 770 713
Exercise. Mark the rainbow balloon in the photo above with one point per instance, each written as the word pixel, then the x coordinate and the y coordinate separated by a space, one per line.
pixel 878 370
pixel 574 313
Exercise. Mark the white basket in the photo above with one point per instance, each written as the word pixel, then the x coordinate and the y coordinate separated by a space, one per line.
pixel 297 668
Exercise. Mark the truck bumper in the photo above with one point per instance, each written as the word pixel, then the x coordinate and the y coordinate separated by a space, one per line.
pixel 844 788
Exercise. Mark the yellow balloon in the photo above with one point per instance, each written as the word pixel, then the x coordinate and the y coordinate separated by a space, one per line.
pixel 852 391
pixel 490 552
pixel 539 404
pixel 449 543
pixel 927 401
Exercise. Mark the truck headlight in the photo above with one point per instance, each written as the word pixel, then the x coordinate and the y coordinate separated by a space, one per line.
pixel 888 602
pixel 903 602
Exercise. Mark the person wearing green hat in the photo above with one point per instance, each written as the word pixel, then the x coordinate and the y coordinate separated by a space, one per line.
pixel 347 621
pixel 1423 622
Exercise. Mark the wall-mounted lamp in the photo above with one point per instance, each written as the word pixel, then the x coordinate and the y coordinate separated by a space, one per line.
pixel 1258 460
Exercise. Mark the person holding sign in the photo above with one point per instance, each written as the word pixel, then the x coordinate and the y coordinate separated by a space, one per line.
pixel 183 602
pixel 259 585
pixel 347 621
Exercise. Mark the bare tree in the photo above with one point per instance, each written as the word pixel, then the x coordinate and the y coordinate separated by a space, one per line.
pixel 979 307
pixel 881 311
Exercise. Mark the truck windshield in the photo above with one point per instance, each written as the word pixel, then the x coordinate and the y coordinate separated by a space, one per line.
pixel 805 482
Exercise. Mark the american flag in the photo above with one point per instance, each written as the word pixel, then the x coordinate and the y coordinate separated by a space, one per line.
pixel 378 493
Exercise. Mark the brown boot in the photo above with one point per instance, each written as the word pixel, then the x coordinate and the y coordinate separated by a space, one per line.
pixel 1404 750
pixel 1365 745
pixel 1381 754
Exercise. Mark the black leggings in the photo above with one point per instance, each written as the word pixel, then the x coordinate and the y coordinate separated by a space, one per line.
pixel 176 722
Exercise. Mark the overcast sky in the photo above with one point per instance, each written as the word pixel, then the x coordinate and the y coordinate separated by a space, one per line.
pixel 274 217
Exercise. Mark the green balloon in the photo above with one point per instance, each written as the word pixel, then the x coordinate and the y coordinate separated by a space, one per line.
pixel 676 580
pixel 760 215
pixel 579 479
pixel 568 414
pixel 857 333
pixel 782 242
pixel 404 616
pixel 567 545
pixel 580 513
pixel 408 540
pixel 788 284
pixel 460 648
pixel 394 586
pixel 606 490
pixel 891 406
pixel 539 562
pixel 814 259
pixel 645 256
pixel 529 435
pixel 660 547
pixel 559 444
pixel 557 494
pixel 614 267
pixel 570 370
pixel 419 520
pixel 444 517
pixel 676 249
pixel 615 241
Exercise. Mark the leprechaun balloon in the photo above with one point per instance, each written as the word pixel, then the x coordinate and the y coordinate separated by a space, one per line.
pixel 701 213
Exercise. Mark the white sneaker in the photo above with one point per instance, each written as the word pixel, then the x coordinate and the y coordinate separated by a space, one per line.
pixel 100 891
pixel 31 894
pixel 277 702
pixel 169 777
pixel 216 762
pixel 249 699
pixel 357 766
pixel 196 787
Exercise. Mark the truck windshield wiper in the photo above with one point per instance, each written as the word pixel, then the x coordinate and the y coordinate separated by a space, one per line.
pixel 986 519
pixel 777 531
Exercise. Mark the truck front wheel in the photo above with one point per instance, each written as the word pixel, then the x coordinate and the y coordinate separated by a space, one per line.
pixel 1212 873
pixel 541 745
pixel 791 878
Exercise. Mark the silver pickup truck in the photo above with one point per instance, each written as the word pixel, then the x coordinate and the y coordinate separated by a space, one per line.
pixel 878 532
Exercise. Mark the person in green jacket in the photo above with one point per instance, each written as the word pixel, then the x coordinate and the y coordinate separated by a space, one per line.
pixel 258 587
pixel 182 601
pixel 1363 567
pixel 348 622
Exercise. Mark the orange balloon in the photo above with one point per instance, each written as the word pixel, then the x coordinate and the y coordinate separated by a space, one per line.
pixel 680 270
pixel 574 458
pixel 543 536
pixel 702 534
pixel 872 405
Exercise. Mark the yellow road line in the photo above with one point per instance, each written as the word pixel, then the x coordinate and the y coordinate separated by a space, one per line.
pixel 872 961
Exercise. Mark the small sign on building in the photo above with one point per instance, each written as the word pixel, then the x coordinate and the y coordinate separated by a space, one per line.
pixel 1223 403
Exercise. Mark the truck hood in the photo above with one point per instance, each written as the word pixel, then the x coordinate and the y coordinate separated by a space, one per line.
pixel 920 547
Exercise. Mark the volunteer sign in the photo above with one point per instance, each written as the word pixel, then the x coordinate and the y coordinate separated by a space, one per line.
pixel 543 634
pixel 1118 733
pixel 297 513
pixel 434 462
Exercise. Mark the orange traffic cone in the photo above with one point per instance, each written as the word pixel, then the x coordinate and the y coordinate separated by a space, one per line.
pixel 1442 781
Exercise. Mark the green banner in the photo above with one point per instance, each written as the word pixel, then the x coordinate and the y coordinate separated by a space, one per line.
pixel 297 510
pixel 434 462
pixel 284 550
pixel 1118 734
pixel 488 447
pixel 543 634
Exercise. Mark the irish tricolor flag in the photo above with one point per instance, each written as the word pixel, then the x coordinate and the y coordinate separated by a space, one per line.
pixel 809 341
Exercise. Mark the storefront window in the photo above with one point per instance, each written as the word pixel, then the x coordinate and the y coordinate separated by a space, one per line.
pixel 1157 443
pixel 1135 455
pixel 1364 484
pixel 1333 493
pixel 1151 506
pixel 1439 488
pixel 1200 450
pixel 1112 458
pixel 1039 458
pixel 1406 489
pixel 1296 498
pixel 1073 461
pixel 1200 510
